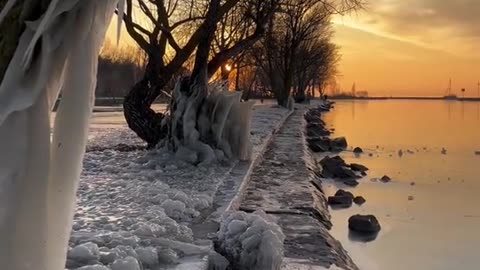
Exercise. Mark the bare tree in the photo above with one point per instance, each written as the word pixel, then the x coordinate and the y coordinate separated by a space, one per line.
pixel 177 30
pixel 296 48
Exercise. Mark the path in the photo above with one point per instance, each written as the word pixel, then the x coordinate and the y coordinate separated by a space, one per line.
pixel 282 184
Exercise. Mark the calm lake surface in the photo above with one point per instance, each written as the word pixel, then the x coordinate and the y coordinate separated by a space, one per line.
pixel 440 228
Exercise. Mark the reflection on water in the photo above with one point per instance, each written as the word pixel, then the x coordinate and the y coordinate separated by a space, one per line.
pixel 438 229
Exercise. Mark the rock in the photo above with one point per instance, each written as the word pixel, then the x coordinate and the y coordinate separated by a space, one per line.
pixel 357 150
pixel 319 144
pixel 359 200
pixel 412 184
pixel 342 201
pixel 339 143
pixel 316 129
pixel 444 151
pixel 342 192
pixel 410 198
pixel 370 155
pixel 351 182
pixel 358 167
pixel 400 153
pixel 477 153
pixel 364 224
pixel 385 179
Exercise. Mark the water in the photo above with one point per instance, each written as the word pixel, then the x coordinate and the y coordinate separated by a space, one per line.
pixel 439 228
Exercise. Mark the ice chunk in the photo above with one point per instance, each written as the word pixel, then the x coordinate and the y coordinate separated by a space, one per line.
pixel 129 263
pixel 94 267
pixel 84 252
pixel 148 256
pixel 174 209
pixel 251 241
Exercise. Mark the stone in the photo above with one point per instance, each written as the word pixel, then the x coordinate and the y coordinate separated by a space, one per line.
pixel 319 144
pixel 444 151
pixel 351 182
pixel 477 153
pixel 410 198
pixel 385 179
pixel 357 150
pixel 358 167
pixel 365 224
pixel 342 201
pixel 342 192
pixel 359 200
pixel 339 143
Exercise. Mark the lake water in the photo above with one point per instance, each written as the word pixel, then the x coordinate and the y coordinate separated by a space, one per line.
pixel 440 228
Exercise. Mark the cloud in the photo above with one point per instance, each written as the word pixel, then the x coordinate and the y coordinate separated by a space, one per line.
pixel 454 22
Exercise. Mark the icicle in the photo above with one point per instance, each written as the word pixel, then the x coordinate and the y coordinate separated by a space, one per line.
pixel 121 8
pixel 8 6
pixel 38 181
pixel 41 29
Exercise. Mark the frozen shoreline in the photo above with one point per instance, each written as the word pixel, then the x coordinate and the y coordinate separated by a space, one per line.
pixel 128 201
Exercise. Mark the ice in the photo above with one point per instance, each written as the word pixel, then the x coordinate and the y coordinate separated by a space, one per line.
pixel 93 267
pixel 148 256
pixel 84 252
pixel 149 199
pixel 251 241
pixel 129 263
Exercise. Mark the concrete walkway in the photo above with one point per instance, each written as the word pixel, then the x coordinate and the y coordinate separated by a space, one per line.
pixel 284 185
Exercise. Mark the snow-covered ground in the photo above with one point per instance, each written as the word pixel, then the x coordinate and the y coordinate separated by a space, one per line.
pixel 141 204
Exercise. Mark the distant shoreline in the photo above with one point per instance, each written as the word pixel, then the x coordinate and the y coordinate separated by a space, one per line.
pixel 470 99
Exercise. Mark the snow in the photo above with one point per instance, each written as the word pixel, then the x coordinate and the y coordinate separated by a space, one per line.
pixel 251 241
pixel 130 203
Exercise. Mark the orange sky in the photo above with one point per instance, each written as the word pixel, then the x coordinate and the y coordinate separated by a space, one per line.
pixel 408 47
pixel 411 47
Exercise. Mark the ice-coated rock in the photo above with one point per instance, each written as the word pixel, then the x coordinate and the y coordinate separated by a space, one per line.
pixel 148 256
pixel 93 267
pixel 129 263
pixel 259 246
pixel 167 255
pixel 84 252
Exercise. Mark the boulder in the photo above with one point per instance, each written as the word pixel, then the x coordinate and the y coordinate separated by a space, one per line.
pixel 339 143
pixel 477 153
pixel 358 167
pixel 316 131
pixel 341 201
pixel 319 144
pixel 342 192
pixel 365 224
pixel 359 200
pixel 357 150
pixel 351 182
pixel 385 179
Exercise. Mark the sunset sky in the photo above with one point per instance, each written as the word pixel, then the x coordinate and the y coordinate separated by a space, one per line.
pixel 411 47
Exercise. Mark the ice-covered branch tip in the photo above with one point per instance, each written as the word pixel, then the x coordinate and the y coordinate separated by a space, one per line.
pixel 8 6
pixel 121 10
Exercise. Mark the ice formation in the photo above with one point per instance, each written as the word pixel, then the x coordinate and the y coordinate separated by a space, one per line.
pixel 251 241
pixel 223 123
pixel 39 175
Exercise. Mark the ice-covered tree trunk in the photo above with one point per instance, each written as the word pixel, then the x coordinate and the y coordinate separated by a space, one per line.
pixel 39 174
